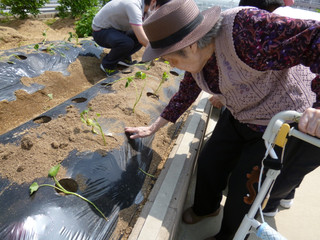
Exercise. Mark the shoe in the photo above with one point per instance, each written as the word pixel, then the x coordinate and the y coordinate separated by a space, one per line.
pixel 286 203
pixel 189 217
pixel 270 214
pixel 109 72
pixel 127 62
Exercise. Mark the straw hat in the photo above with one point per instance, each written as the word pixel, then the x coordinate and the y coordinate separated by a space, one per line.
pixel 175 25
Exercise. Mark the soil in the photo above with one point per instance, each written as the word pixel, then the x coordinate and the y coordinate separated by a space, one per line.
pixel 23 162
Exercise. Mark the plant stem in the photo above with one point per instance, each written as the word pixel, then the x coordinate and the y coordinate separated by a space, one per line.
pixel 111 83
pixel 156 91
pixel 62 189
pixel 102 133
pixel 138 97
pixel 148 174
pixel 136 102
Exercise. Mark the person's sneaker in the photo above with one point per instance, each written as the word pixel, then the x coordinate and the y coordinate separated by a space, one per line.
pixel 270 214
pixel 109 72
pixel 286 203
pixel 127 62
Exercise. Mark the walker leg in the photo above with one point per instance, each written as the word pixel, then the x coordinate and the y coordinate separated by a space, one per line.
pixel 248 220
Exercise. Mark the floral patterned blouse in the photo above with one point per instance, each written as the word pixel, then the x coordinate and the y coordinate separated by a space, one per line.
pixel 263 41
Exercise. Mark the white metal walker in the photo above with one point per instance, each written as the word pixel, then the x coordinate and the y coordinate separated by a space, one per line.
pixel 275 134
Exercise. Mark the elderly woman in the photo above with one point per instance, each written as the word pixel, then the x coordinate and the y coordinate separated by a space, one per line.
pixel 251 59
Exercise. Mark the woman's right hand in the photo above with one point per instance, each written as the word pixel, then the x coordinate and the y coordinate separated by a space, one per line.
pixel 139 132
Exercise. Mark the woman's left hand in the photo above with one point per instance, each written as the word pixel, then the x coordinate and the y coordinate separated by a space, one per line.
pixel 310 122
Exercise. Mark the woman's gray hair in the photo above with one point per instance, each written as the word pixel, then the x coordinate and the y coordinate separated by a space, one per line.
pixel 213 33
pixel 206 39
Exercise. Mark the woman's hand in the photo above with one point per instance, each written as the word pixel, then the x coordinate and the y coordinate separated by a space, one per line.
pixel 215 101
pixel 310 122
pixel 141 132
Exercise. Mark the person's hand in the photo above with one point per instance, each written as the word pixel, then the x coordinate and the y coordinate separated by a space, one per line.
pixel 139 132
pixel 310 122
pixel 215 102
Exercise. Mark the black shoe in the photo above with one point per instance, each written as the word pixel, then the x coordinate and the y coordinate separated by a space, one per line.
pixel 127 62
pixel 189 217
pixel 109 72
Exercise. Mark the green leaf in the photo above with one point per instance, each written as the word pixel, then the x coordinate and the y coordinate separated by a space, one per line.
pixel 166 62
pixel 44 32
pixel 33 187
pixel 85 111
pixel 70 37
pixel 54 171
pixel 165 76
pixel 36 46
pixel 129 80
pixel 140 75
pixel 90 122
pixel 143 76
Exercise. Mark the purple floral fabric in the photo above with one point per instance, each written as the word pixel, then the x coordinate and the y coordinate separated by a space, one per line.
pixel 263 41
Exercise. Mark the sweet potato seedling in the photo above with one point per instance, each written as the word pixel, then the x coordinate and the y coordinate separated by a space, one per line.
pixel 53 173
pixel 164 78
pixel 93 123
pixel 73 36
pixel 138 75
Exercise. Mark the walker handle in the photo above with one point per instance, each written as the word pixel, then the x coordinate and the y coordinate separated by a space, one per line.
pixel 279 119
pixel 305 137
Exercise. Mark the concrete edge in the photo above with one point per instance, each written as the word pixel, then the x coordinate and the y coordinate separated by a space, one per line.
pixel 161 213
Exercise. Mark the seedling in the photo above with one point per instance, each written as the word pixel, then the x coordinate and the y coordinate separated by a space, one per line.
pixel 138 75
pixel 50 49
pixel 47 48
pixel 75 36
pixel 44 34
pixel 53 173
pixel 164 78
pixel 93 123
pixel 7 58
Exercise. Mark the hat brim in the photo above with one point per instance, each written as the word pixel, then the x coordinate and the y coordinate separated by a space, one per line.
pixel 210 18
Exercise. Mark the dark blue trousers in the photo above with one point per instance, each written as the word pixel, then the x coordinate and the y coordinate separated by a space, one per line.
pixel 122 45
pixel 226 159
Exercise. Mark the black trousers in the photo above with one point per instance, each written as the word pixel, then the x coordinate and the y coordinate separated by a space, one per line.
pixel 122 45
pixel 228 156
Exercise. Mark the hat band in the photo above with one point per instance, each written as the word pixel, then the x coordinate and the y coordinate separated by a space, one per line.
pixel 179 35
